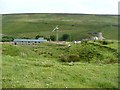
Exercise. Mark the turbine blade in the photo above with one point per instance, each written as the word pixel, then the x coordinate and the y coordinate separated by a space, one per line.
pixel 56 28
pixel 53 30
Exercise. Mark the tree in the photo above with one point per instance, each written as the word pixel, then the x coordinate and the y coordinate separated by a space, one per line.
pixel 38 36
pixel 25 38
pixel 7 39
pixel 52 37
pixel 65 37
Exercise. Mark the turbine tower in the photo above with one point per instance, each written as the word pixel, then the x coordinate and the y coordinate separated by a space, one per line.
pixel 56 29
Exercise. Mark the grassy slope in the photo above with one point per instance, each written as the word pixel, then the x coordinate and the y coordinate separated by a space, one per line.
pixel 24 67
pixel 46 72
pixel 30 25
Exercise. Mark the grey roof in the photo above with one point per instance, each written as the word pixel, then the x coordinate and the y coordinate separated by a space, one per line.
pixel 30 40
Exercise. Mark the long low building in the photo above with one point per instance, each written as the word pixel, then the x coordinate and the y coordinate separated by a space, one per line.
pixel 29 41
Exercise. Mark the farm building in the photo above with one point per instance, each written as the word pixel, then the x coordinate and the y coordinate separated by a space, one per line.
pixel 29 41
pixel 99 36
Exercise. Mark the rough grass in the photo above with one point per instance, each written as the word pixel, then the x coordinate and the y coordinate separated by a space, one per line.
pixel 48 73
pixel 39 67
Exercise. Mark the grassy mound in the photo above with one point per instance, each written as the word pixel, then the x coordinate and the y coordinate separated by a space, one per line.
pixel 91 53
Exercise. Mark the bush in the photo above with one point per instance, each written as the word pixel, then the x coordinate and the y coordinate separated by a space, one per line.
pixel 38 36
pixel 52 37
pixel 69 58
pixel 65 37
pixel 7 39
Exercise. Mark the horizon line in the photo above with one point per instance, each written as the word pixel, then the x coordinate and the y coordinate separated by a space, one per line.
pixel 62 13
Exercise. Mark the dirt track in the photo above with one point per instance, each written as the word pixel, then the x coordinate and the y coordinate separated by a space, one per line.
pixel 6 42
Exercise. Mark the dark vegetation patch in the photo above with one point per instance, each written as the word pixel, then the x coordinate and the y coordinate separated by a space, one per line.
pixel 7 39
pixel 69 58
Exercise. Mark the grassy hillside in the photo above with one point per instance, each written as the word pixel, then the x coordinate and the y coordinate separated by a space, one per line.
pixel 91 64
pixel 48 73
pixel 30 25
pixel 39 66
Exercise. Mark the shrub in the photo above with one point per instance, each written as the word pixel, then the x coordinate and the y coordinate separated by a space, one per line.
pixel 69 58
pixel 52 37
pixel 38 36
pixel 65 37
pixel 7 39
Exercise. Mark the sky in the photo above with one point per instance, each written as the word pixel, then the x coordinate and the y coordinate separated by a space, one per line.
pixel 59 6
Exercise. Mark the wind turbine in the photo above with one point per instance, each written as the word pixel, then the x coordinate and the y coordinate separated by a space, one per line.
pixel 56 29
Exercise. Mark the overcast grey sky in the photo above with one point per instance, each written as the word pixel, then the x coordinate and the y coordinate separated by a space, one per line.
pixel 59 6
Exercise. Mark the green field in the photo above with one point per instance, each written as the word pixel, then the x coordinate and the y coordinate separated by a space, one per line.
pixel 39 66
pixel 30 25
